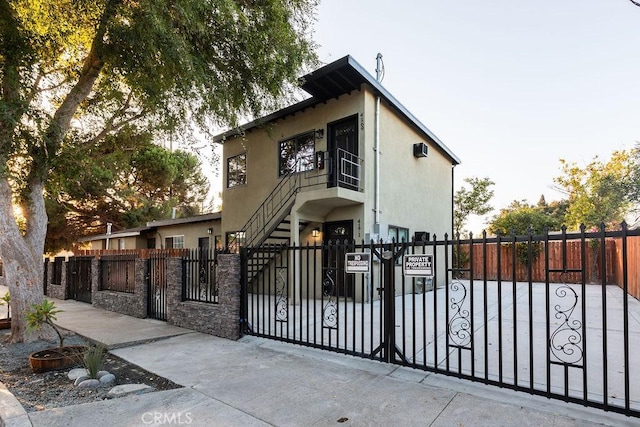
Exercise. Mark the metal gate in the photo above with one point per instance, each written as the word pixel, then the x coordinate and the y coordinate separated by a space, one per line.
pixel 79 278
pixel 550 315
pixel 157 285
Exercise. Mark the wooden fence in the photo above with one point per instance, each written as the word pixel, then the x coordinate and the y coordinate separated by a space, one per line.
pixel 633 269
pixel 490 264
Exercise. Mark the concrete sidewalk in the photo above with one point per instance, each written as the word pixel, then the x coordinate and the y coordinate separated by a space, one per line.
pixel 260 382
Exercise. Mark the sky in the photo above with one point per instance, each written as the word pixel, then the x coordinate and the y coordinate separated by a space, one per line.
pixel 511 87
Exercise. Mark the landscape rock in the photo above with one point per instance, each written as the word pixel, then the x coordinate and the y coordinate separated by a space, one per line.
pixel 108 379
pixel 81 379
pixel 101 374
pixel 77 372
pixel 120 390
pixel 89 384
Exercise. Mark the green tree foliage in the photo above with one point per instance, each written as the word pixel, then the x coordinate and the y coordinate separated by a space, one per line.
pixel 84 69
pixel 520 217
pixel 598 193
pixel 471 201
pixel 634 179
pixel 125 180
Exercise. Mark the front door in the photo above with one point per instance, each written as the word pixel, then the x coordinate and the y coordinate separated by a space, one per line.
pixel 343 154
pixel 338 237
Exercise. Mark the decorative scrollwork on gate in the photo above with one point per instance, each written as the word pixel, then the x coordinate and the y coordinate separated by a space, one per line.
pixel 282 300
pixel 459 323
pixel 566 340
pixel 330 309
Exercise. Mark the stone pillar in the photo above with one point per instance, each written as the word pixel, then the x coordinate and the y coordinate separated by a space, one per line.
pixel 229 295
pixel 95 276
pixel 174 287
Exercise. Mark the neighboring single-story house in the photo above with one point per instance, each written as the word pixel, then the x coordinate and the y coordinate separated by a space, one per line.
pixel 200 231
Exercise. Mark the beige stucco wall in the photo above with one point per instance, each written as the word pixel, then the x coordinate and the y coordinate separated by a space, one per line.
pixel 415 193
pixel 191 232
pixel 262 145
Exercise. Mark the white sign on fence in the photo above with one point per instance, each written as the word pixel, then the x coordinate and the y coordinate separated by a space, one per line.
pixel 357 262
pixel 417 265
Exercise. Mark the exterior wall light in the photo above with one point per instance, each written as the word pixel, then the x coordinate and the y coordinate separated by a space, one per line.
pixel 319 133
pixel 315 233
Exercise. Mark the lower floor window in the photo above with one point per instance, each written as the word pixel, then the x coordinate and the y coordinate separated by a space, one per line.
pixel 174 242
pixel 398 234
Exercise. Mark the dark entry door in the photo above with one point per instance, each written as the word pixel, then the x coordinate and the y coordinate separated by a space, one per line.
pixel 343 154
pixel 79 278
pixel 338 237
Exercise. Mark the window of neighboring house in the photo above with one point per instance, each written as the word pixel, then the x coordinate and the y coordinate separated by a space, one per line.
pixel 174 242
pixel 297 154
pixel 235 239
pixel 121 244
pixel 237 170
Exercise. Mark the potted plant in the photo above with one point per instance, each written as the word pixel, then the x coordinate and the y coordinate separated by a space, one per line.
pixel 56 357
pixel 6 323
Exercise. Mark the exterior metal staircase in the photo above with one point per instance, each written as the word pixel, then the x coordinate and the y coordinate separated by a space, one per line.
pixel 268 230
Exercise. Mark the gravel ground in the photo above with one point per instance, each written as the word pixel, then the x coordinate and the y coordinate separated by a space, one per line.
pixel 48 390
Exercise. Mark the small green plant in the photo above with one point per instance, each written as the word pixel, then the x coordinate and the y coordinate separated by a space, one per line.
pixel 94 359
pixel 6 299
pixel 44 314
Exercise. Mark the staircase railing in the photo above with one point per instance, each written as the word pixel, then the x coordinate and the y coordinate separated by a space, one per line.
pixel 269 214
pixel 278 203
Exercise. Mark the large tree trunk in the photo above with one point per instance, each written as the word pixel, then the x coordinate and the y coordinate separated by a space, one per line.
pixel 22 257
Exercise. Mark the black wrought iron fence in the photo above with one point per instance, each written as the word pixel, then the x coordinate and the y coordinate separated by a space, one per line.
pixel 117 273
pixel 199 279
pixel 568 335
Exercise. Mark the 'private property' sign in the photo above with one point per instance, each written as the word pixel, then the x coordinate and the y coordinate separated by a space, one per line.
pixel 357 262
pixel 417 265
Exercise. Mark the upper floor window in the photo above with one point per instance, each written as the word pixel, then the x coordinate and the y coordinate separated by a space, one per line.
pixel 237 170
pixel 297 154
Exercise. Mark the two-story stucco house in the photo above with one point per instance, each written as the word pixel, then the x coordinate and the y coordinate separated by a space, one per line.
pixel 350 162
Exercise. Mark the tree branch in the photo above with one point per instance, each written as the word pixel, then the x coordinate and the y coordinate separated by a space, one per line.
pixel 110 126
pixel 635 2
pixel 88 75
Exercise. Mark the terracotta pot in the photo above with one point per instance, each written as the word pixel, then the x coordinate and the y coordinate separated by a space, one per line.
pixel 54 358
pixel 5 323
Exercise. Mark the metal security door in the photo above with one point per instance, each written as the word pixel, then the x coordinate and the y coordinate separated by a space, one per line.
pixel 343 154
pixel 157 286
pixel 79 278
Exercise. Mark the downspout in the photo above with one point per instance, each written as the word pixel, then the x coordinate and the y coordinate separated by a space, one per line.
pixel 376 148
pixel 453 208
